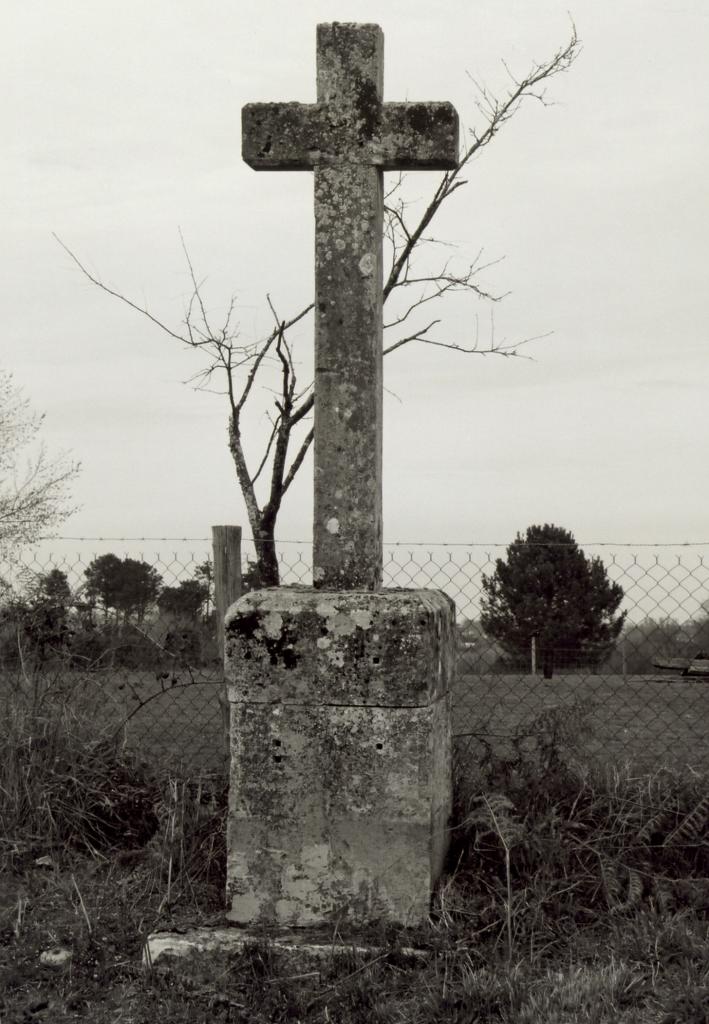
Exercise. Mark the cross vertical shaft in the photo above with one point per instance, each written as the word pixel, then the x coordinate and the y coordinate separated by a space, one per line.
pixel 349 137
pixel 347 552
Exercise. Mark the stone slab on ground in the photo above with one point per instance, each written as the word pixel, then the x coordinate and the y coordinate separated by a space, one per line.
pixel 161 946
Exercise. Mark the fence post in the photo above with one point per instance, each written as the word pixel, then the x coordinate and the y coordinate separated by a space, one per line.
pixel 226 548
pixel 534 655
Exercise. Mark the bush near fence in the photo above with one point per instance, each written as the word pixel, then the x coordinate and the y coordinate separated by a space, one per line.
pixel 157 676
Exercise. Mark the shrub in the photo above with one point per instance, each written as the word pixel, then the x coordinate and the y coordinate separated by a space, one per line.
pixel 64 779
pixel 544 845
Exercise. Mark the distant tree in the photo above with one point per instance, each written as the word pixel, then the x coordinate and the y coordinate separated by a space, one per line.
pixel 36 625
pixel 204 574
pixel 700 636
pixel 34 487
pixel 252 577
pixel 547 588
pixel 48 622
pixel 53 589
pixel 103 582
pixel 185 601
pixel 127 586
pixel 646 640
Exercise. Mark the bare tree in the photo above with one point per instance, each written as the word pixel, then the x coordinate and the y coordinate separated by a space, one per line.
pixel 34 486
pixel 239 364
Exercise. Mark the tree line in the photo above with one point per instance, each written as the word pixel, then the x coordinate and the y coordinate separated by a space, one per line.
pixel 546 599
pixel 122 615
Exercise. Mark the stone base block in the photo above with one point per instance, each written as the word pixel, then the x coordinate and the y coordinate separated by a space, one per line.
pixel 341 754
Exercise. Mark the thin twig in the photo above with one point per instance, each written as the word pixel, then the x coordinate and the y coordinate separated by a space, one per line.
pixel 82 904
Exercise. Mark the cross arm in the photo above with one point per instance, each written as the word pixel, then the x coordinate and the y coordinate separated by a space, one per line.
pixel 298 136
pixel 280 136
pixel 419 135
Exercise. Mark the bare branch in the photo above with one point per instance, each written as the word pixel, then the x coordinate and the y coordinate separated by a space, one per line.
pixel 34 487
pixel 303 410
pixel 266 345
pixel 504 348
pixel 496 113
pixel 297 461
pixel 267 452
pixel 197 286
pixel 442 284
pixel 508 350
pixel 417 336
pixel 117 295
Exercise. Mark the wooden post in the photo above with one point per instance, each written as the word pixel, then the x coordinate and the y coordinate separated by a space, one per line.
pixel 226 548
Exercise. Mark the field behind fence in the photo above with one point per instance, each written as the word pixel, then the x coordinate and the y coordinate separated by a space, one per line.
pixel 152 670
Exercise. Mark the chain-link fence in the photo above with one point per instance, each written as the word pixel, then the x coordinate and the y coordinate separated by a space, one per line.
pixel 129 632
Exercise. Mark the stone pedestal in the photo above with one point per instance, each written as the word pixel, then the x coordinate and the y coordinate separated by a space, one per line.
pixel 340 754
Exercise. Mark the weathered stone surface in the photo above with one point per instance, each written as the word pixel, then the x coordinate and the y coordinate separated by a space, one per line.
pixel 302 136
pixel 331 812
pixel 341 754
pixel 347 535
pixel 298 645
pixel 348 138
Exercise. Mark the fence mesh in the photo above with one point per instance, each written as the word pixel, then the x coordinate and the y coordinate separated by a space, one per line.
pixel 129 632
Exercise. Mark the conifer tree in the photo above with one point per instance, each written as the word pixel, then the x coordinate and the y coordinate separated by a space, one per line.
pixel 547 588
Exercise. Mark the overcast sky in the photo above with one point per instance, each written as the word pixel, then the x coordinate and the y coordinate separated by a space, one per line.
pixel 122 125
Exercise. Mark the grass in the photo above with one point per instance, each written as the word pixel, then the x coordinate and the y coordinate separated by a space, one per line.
pixel 642 967
pixel 573 894
pixel 641 719
pixel 177 720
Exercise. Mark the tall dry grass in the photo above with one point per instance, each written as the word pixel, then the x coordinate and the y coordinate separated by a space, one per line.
pixel 573 892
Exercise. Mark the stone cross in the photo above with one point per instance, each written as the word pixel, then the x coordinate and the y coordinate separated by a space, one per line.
pixel 348 138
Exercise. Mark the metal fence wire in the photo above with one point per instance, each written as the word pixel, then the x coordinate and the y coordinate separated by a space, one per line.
pixel 130 635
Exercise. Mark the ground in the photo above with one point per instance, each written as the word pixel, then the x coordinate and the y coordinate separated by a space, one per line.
pixel 572 895
pixel 650 969
pixel 648 719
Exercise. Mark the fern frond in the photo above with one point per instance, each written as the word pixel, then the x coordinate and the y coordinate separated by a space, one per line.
pixel 692 827
pixel 612 885
pixel 619 896
pixel 496 814
pixel 664 897
pixel 657 823
pixel 635 889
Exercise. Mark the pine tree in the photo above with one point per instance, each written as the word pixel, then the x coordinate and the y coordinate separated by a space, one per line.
pixel 547 588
